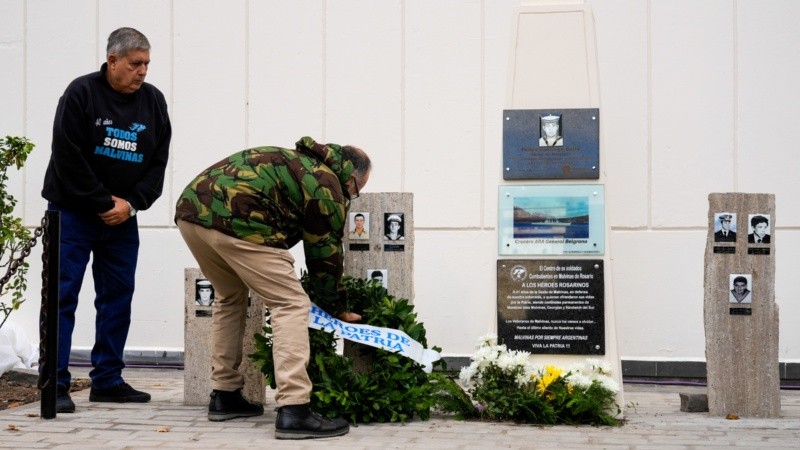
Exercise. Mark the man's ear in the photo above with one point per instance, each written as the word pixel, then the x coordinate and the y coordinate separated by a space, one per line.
pixel 111 59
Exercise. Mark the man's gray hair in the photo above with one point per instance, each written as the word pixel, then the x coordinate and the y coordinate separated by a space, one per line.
pixel 123 40
pixel 360 160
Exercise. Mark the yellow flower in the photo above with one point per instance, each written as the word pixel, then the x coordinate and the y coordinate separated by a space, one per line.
pixel 553 370
pixel 551 374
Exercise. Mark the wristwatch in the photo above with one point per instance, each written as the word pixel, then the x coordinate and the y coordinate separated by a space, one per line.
pixel 133 210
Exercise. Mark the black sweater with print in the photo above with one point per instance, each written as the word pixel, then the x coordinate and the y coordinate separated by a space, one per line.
pixel 106 142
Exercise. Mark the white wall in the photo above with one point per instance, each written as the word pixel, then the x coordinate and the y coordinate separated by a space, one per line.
pixel 696 97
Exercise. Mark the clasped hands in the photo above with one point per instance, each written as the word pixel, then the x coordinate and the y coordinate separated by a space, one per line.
pixel 118 214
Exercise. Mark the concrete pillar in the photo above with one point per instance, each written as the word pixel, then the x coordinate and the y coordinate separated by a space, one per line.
pixel 741 331
pixel 197 344
pixel 394 258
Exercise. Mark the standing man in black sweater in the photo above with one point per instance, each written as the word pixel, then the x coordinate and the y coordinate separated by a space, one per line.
pixel 111 138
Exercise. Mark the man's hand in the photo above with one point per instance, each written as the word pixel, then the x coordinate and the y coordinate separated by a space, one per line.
pixel 118 214
pixel 349 316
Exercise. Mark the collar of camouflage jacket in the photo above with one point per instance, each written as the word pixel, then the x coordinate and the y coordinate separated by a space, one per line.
pixel 328 154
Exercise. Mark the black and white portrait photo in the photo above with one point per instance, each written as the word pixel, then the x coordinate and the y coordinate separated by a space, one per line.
pixel 759 229
pixel 380 275
pixel 550 127
pixel 393 225
pixel 740 288
pixel 204 292
pixel 725 227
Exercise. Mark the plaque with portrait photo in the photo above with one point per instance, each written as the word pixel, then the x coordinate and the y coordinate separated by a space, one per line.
pixel 551 144
pixel 394 232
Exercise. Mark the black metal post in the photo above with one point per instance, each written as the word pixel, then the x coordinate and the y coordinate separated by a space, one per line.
pixel 48 345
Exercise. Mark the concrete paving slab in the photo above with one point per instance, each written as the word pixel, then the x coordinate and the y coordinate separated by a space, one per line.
pixel 654 421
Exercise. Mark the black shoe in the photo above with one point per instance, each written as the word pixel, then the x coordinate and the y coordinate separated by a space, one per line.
pixel 121 393
pixel 64 403
pixel 300 422
pixel 226 405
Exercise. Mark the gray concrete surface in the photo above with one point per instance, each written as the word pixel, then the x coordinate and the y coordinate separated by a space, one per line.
pixel 654 421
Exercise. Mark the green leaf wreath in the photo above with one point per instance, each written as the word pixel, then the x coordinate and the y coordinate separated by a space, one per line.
pixel 389 388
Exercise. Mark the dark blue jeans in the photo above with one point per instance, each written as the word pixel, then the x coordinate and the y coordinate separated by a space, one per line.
pixel 114 251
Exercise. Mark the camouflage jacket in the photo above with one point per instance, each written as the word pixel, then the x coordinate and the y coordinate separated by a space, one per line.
pixel 277 197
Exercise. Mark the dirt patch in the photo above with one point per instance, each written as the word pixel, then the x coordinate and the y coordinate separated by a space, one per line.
pixel 20 388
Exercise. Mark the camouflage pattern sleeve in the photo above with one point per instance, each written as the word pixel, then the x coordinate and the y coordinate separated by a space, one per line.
pixel 323 230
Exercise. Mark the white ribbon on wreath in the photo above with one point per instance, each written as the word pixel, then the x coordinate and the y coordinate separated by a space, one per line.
pixel 385 338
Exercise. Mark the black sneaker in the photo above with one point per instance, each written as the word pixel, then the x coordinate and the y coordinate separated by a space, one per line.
pixel 121 393
pixel 300 422
pixel 64 403
pixel 226 405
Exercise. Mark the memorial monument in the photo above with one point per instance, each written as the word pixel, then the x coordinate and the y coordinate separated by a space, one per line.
pixel 199 307
pixel 555 298
pixel 740 313
pixel 379 245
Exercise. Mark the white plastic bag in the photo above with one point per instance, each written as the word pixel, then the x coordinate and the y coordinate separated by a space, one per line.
pixel 16 351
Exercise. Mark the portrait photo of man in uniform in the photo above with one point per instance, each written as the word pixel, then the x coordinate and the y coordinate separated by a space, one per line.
pixel 204 292
pixel 550 127
pixel 359 225
pixel 725 227
pixel 740 288
pixel 393 223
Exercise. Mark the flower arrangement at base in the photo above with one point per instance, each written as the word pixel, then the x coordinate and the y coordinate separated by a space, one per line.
pixel 394 389
pixel 502 384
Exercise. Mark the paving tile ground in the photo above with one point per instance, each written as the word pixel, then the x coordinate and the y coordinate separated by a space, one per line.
pixel 653 421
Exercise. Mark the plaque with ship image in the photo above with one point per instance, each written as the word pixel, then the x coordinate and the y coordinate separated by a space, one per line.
pixel 554 219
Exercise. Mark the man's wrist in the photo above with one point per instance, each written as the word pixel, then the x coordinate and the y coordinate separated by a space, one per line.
pixel 132 211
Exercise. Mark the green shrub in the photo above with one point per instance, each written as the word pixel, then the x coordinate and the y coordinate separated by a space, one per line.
pixel 14 236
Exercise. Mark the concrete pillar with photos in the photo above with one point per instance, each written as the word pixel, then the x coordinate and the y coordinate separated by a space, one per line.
pixel 379 243
pixel 553 64
pixel 199 308
pixel 740 313
pixel 387 243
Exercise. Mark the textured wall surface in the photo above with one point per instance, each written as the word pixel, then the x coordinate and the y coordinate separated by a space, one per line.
pixel 695 97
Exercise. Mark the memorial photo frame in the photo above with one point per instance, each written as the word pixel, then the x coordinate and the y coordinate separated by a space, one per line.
pixel 381 275
pixel 551 133
pixel 394 226
pixel 551 144
pixel 759 226
pixel 724 227
pixel 741 289
pixel 203 293
pixel 359 225
pixel 551 220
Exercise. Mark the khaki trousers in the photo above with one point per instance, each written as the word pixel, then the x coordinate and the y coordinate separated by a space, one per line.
pixel 236 267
